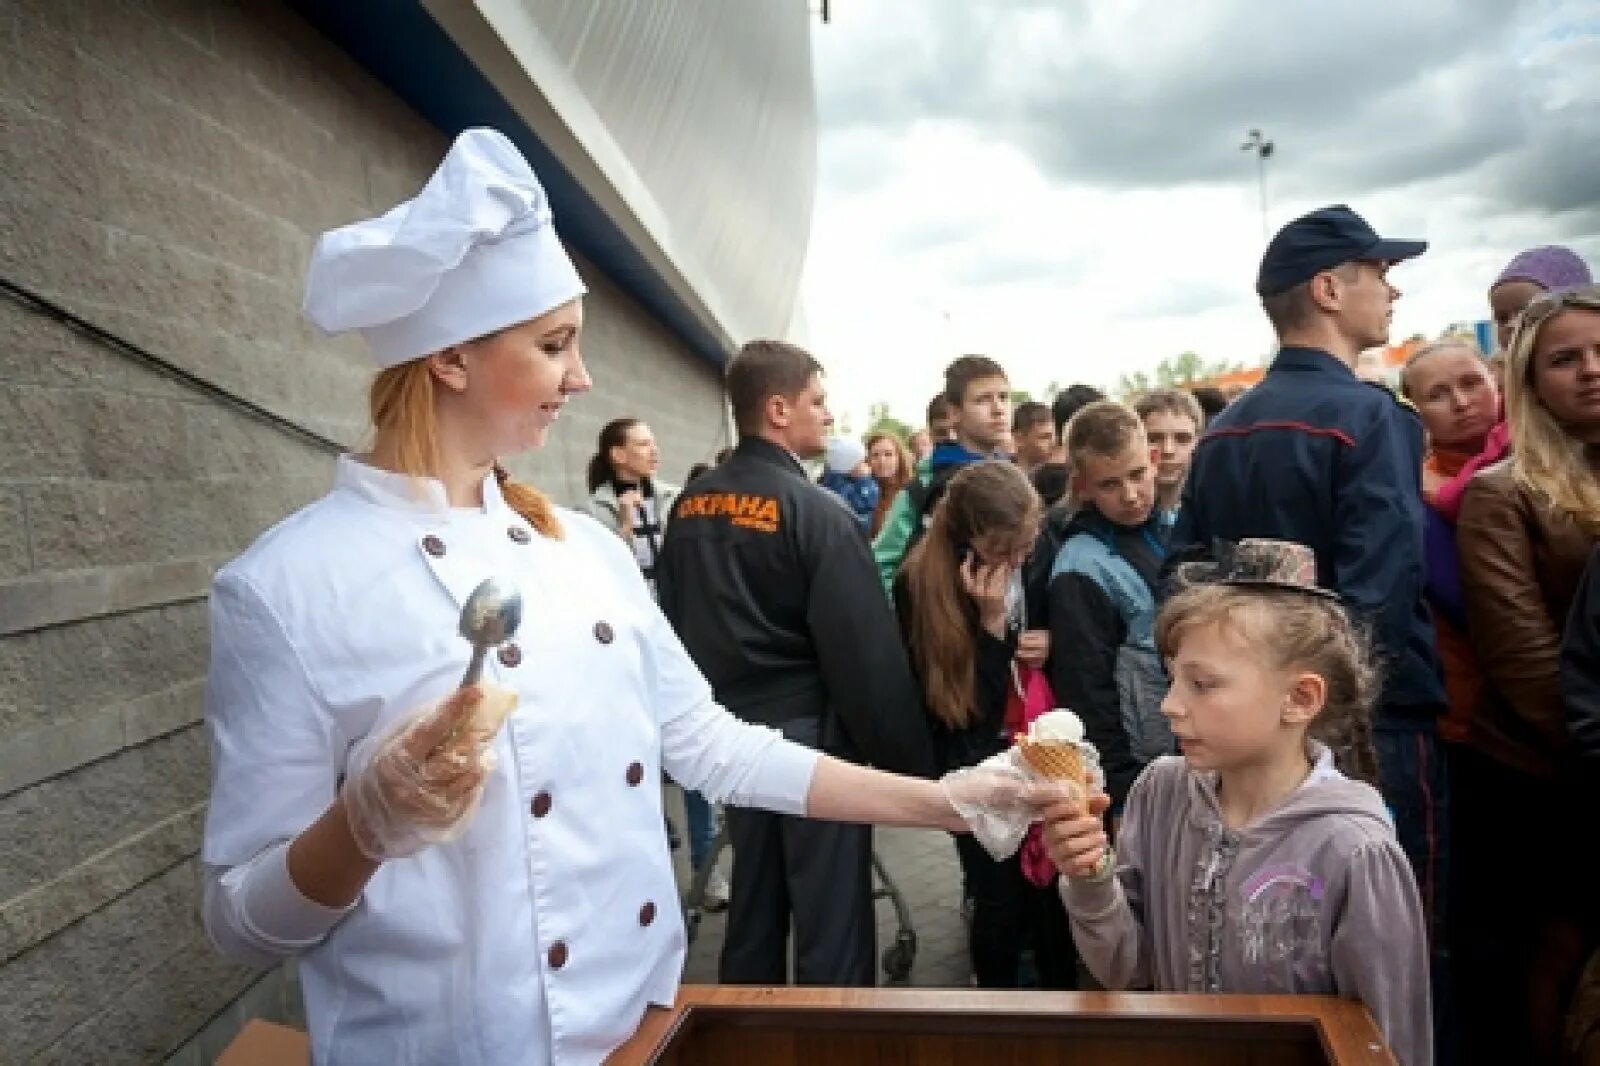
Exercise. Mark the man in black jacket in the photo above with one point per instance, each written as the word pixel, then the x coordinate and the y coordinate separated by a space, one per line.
pixel 774 594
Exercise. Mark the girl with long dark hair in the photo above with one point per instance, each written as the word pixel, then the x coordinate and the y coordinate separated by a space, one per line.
pixel 958 597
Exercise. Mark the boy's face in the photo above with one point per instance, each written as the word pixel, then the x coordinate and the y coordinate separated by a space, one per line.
pixel 1172 438
pixel 1122 486
pixel 1036 443
pixel 983 417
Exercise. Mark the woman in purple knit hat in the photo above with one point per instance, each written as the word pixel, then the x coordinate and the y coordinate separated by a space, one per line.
pixel 1544 269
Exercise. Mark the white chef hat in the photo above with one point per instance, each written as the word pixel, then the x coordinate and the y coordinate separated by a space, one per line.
pixel 475 251
pixel 842 454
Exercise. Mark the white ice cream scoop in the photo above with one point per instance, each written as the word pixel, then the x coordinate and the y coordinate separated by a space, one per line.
pixel 1057 726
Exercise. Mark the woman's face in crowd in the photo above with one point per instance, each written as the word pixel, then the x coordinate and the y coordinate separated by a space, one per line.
pixel 518 380
pixel 1454 394
pixel 1506 302
pixel 637 457
pixel 884 459
pixel 1566 367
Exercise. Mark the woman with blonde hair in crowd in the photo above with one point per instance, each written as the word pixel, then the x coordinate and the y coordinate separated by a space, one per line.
pixel 892 466
pixel 1526 529
pixel 1454 393
pixel 1530 273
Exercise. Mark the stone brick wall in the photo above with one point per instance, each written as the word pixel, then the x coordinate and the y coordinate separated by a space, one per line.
pixel 164 168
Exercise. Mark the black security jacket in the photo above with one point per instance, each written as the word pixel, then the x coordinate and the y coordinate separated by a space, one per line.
pixel 775 595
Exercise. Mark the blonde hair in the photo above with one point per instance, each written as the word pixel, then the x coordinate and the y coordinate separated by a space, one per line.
pixel 904 469
pixel 1449 344
pixel 1104 428
pixel 401 405
pixel 1546 460
pixel 1178 402
pixel 1294 630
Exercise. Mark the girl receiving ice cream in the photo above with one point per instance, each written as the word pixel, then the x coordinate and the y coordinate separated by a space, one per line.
pixel 1262 859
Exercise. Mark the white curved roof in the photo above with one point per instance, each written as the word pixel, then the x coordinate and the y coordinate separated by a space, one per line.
pixel 691 125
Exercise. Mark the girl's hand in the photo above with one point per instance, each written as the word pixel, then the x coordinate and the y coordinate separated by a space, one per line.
pixel 1033 648
pixel 1074 833
pixel 986 583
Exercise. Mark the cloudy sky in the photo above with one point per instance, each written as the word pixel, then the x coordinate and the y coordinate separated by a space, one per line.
pixel 1060 184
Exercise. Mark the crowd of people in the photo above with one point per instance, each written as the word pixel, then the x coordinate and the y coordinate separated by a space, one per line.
pixel 1335 652
pixel 1328 766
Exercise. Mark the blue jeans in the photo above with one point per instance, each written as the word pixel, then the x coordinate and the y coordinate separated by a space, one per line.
pixel 702 827
pixel 1412 777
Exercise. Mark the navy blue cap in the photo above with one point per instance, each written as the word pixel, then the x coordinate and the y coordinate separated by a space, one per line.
pixel 1321 241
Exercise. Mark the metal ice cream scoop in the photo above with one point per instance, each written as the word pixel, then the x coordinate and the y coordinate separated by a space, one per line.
pixel 489 618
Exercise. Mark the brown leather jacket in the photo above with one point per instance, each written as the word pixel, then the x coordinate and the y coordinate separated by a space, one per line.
pixel 1521 564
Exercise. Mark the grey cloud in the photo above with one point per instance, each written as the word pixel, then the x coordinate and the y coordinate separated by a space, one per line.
pixel 1358 97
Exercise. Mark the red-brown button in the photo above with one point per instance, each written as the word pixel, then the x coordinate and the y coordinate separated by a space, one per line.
pixel 557 956
pixel 647 913
pixel 433 545
pixel 635 773
pixel 518 534
pixel 510 655
pixel 541 804
pixel 603 633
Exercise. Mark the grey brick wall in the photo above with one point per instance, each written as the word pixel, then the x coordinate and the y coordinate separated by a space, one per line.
pixel 164 168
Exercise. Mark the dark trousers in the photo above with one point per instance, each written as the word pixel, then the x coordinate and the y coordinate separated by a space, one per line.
pixel 1519 888
pixel 1416 786
pixel 1009 912
pixel 819 874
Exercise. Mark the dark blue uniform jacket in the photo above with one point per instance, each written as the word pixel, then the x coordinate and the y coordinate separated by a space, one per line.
pixel 1313 454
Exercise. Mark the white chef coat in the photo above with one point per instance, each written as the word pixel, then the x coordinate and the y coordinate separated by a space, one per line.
pixel 544 931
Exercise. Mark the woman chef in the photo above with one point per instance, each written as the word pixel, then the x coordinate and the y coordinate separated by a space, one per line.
pixel 514 904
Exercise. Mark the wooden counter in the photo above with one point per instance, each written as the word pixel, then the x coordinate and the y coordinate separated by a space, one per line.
pixel 715 1025
pixel 711 1026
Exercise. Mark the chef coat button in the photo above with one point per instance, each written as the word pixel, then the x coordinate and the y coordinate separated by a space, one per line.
pixel 603 633
pixel 541 804
pixel 557 956
pixel 647 913
pixel 510 655
pixel 635 773
pixel 518 534
pixel 433 545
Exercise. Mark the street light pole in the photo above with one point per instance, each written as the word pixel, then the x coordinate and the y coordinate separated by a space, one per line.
pixel 1262 148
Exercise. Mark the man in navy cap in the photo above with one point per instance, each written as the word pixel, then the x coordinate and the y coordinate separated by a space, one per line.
pixel 1314 455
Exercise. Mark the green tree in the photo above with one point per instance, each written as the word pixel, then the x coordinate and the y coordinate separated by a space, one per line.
pixel 1174 372
pixel 880 418
pixel 1131 385
pixel 1020 397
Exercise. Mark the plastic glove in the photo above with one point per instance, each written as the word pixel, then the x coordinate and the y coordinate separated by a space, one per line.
pixel 1001 797
pixel 997 800
pixel 418 782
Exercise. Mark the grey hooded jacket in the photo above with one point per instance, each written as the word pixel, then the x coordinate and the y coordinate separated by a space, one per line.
pixel 1315 897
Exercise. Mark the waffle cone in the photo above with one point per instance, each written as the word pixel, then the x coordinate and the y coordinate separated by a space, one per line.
pixel 1055 760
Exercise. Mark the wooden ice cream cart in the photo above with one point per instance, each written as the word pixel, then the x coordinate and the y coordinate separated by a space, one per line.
pixel 711 1026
